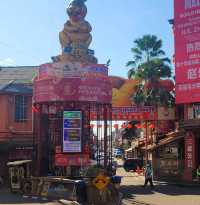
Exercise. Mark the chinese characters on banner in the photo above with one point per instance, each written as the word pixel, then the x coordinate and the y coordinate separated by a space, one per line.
pixel 129 113
pixel 72 131
pixel 72 160
pixel 190 151
pixel 187 50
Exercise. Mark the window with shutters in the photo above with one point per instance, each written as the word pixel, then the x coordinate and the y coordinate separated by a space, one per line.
pixel 21 106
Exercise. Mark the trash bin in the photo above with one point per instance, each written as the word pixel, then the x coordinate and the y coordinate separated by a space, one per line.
pixel 81 191
pixel 116 180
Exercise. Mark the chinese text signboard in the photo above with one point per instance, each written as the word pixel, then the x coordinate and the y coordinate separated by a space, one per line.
pixel 88 88
pixel 133 112
pixel 129 113
pixel 190 151
pixel 72 82
pixel 72 131
pixel 187 50
pixel 62 160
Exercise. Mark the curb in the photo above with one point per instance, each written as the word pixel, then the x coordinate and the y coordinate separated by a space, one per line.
pixel 34 197
pixel 178 184
pixel 67 202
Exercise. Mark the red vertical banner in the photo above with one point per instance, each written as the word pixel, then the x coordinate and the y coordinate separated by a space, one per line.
pixel 187 50
pixel 190 155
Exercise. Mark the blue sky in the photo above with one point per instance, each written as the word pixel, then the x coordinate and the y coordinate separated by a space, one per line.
pixel 29 29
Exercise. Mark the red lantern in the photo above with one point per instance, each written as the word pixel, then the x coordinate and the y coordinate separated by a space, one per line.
pixel 151 126
pixel 34 109
pixel 129 126
pixel 123 125
pixel 144 125
pixel 138 126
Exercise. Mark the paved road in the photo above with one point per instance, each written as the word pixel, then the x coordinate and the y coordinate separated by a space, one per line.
pixel 6 198
pixel 134 194
pixel 163 194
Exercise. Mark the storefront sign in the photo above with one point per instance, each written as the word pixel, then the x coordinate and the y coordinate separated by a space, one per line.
pixel 187 50
pixel 190 151
pixel 72 131
pixel 72 160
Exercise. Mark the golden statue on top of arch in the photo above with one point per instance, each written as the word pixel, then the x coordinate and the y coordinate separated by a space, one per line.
pixel 76 36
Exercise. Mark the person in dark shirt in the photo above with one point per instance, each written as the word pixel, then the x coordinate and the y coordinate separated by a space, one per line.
pixel 148 175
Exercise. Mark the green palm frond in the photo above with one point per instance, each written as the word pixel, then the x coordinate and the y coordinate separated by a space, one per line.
pixel 131 73
pixel 167 60
pixel 130 63
pixel 150 65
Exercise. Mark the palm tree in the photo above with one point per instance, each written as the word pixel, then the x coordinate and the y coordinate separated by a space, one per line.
pixel 150 66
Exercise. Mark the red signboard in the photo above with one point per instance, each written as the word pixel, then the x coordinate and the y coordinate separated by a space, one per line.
pixel 72 160
pixel 129 113
pixel 72 82
pixel 187 50
pixel 190 151
pixel 133 112
pixel 88 88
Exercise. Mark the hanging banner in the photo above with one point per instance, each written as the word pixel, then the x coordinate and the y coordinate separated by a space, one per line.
pixel 187 50
pixel 72 131
pixel 190 162
pixel 88 88
pixel 133 113
pixel 128 113
pixel 72 160
pixel 72 81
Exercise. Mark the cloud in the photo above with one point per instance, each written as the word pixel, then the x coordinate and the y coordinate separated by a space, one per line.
pixel 7 62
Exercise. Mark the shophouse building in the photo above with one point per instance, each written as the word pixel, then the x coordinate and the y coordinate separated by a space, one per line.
pixel 16 118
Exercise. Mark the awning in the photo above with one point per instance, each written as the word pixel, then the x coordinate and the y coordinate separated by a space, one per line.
pixel 17 163
pixel 171 137
pixel 129 150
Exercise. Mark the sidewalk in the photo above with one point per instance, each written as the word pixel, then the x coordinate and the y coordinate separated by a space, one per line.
pixel 175 183
pixel 179 183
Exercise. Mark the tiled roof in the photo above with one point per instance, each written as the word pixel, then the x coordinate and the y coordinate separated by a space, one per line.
pixel 17 79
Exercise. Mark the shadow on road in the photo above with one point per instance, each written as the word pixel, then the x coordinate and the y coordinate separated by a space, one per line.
pixel 8 198
pixel 129 191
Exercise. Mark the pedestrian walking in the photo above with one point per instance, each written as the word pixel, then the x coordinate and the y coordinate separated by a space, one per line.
pixel 148 175
pixel 198 173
